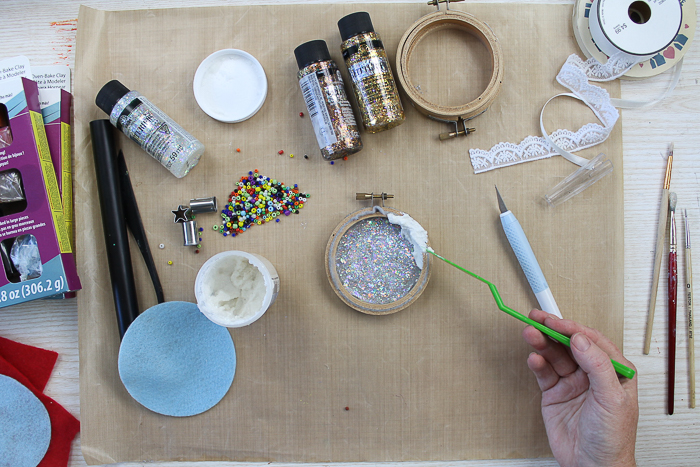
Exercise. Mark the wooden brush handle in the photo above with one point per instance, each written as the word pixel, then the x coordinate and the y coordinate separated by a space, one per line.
pixel 672 295
pixel 691 337
pixel 658 257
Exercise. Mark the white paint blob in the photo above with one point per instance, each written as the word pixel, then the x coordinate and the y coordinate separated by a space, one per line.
pixel 235 288
pixel 412 231
pixel 230 85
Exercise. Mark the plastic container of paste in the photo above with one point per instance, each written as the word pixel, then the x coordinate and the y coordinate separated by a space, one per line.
pixel 372 261
pixel 235 288
pixel 230 85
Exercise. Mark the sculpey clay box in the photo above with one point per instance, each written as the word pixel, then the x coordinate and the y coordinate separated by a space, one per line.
pixel 35 247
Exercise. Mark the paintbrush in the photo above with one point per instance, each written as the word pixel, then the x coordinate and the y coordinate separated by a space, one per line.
pixel 672 302
pixel 619 367
pixel 689 305
pixel 660 237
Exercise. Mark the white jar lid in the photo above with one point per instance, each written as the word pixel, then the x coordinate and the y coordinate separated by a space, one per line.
pixel 230 85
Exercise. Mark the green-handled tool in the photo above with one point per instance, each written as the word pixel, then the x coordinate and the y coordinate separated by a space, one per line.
pixel 619 367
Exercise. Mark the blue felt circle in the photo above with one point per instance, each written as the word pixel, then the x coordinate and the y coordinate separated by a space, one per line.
pixel 25 426
pixel 174 361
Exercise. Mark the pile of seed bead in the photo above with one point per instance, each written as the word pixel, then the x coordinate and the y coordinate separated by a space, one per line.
pixel 257 200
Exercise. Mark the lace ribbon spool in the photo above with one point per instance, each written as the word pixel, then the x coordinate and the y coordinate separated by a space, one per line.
pixel 444 20
pixel 628 32
pixel 576 75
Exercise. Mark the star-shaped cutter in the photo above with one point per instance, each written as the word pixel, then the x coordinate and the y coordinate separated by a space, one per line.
pixel 181 214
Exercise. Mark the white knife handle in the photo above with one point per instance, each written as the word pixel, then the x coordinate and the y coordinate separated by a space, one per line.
pixel 528 262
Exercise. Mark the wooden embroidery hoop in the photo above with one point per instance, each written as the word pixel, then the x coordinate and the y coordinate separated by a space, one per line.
pixel 445 19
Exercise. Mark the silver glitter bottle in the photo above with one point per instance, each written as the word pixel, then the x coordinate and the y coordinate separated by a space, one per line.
pixel 329 109
pixel 147 125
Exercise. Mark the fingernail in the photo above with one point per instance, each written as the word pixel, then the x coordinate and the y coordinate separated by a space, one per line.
pixel 581 342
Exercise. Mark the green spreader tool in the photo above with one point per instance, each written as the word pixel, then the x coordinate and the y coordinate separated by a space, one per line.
pixel 619 367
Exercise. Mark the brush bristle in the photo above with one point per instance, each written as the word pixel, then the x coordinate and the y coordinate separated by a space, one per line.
pixel 672 200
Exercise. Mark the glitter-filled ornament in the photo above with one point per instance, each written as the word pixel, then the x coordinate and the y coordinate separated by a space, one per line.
pixel 371 264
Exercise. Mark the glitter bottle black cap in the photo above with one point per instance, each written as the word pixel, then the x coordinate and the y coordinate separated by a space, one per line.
pixel 109 95
pixel 311 52
pixel 354 24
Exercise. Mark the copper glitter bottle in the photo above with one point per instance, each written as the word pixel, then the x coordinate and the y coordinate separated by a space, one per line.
pixel 372 80
pixel 329 110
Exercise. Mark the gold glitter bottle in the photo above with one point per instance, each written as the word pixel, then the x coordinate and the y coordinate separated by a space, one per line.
pixel 329 110
pixel 372 80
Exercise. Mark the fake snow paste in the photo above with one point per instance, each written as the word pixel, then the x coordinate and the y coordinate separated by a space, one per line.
pixel 234 290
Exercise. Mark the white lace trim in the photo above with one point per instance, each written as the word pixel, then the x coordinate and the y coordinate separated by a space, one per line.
pixel 572 75
pixel 534 148
pixel 616 66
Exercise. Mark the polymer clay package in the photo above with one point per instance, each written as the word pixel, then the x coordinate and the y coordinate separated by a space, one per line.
pixel 35 246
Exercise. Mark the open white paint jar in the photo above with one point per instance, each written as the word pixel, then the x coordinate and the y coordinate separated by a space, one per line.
pixel 235 288
pixel 371 266
pixel 230 85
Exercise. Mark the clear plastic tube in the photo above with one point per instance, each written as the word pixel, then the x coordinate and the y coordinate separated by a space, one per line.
pixel 578 181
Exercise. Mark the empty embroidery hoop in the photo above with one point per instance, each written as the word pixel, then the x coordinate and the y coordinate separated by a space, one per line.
pixel 435 22
pixel 345 293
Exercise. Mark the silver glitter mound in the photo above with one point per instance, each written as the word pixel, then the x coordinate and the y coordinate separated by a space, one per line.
pixel 375 263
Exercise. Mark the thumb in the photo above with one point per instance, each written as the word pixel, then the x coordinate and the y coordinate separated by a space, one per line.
pixel 595 363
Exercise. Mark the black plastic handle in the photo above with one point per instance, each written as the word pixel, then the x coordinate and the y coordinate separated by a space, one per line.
pixel 118 256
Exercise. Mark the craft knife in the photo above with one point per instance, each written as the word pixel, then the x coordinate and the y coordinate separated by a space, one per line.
pixel 526 258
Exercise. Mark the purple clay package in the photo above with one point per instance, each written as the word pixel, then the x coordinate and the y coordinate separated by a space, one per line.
pixel 55 100
pixel 58 133
pixel 35 246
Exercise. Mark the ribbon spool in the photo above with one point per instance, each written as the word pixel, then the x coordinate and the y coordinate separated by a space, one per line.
pixel 628 32
pixel 450 114
pixel 635 29
pixel 667 37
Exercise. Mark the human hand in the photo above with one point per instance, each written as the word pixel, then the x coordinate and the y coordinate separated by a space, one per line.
pixel 590 412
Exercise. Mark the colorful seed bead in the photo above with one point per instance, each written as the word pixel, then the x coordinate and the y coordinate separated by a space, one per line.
pixel 257 199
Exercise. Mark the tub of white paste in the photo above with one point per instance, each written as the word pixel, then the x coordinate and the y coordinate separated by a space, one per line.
pixel 235 288
pixel 230 85
pixel 376 260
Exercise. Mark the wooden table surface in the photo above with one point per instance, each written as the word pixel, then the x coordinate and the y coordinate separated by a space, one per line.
pixel 45 31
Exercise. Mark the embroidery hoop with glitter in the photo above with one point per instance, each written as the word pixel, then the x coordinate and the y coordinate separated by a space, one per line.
pixel 346 293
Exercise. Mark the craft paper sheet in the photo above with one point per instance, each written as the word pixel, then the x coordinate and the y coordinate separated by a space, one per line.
pixel 443 379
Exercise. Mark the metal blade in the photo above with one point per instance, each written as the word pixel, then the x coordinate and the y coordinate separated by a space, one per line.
pixel 501 204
